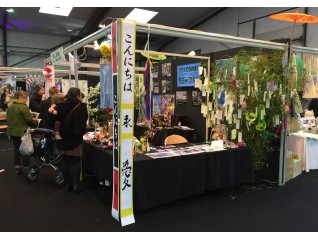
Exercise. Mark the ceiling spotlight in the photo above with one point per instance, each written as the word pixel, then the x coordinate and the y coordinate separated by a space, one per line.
pixel 141 15
pixel 96 45
pixel 191 53
pixel 62 11
pixel 10 10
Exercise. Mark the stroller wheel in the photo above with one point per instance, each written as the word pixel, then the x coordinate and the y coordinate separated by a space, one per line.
pixel 58 178
pixel 32 174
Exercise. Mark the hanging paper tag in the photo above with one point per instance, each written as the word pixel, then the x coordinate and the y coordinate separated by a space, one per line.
pixel 262 115
pixel 238 124
pixel 234 71
pixel 283 99
pixel 213 94
pixel 206 81
pixel 200 70
pixel 270 94
pixel 205 110
pixel 239 137
pixel 267 103
pixel 203 93
pixel 204 72
pixel 242 99
pixel 280 89
pixel 220 114
pixel 248 78
pixel 264 96
pixel 276 119
pixel 255 86
pixel 239 113
pixel 225 75
pixel 248 90
pixel 229 119
pixel 233 134
pixel 197 83
pixel 256 111
pixel 210 106
pixel 234 117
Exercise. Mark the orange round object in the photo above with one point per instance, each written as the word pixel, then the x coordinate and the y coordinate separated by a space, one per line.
pixel 295 17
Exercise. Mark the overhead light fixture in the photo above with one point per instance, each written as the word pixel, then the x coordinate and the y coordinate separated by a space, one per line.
pixel 10 10
pixel 191 53
pixel 140 15
pixel 61 11
pixel 96 45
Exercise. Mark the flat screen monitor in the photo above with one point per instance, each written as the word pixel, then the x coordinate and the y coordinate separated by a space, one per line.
pixel 186 74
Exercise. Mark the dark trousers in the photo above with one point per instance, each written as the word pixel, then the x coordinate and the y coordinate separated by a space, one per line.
pixel 16 153
pixel 71 169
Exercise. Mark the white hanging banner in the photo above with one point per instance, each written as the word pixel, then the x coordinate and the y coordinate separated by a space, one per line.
pixel 126 63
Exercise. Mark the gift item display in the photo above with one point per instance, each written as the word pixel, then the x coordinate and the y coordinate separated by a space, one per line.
pixel 308 123
pixel 102 135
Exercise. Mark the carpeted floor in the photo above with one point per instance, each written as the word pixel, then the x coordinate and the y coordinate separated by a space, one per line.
pixel 43 207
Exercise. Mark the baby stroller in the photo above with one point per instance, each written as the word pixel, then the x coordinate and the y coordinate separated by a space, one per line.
pixel 43 141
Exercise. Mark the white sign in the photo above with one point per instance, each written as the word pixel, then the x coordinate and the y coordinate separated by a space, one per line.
pixel 57 56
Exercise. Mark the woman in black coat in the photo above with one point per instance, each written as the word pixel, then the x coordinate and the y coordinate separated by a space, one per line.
pixel 73 116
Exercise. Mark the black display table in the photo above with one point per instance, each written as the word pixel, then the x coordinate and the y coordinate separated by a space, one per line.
pixel 163 180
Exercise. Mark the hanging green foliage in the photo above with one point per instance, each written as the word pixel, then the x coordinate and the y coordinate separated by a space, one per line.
pixel 255 83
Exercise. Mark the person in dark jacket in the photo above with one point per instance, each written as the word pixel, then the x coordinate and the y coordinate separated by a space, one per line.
pixel 19 119
pixel 47 121
pixel 73 116
pixel 36 98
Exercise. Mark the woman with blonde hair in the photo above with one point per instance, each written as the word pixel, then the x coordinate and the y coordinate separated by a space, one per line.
pixel 19 119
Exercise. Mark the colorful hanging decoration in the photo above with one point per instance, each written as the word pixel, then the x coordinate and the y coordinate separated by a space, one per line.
pixel 154 56
pixel 261 125
pixel 271 86
pixel 250 116
pixel 147 79
pixel 105 48
pixel 245 69
pixel 47 72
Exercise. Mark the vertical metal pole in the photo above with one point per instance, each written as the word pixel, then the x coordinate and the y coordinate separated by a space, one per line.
pixel 4 34
pixel 282 154
pixel 75 69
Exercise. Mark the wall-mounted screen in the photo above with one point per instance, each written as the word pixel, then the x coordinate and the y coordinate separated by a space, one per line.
pixel 186 74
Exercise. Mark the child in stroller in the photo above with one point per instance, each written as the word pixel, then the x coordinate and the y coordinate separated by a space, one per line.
pixel 43 141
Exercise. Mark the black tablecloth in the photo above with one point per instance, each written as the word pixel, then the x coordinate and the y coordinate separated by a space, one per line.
pixel 160 181
pixel 228 168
